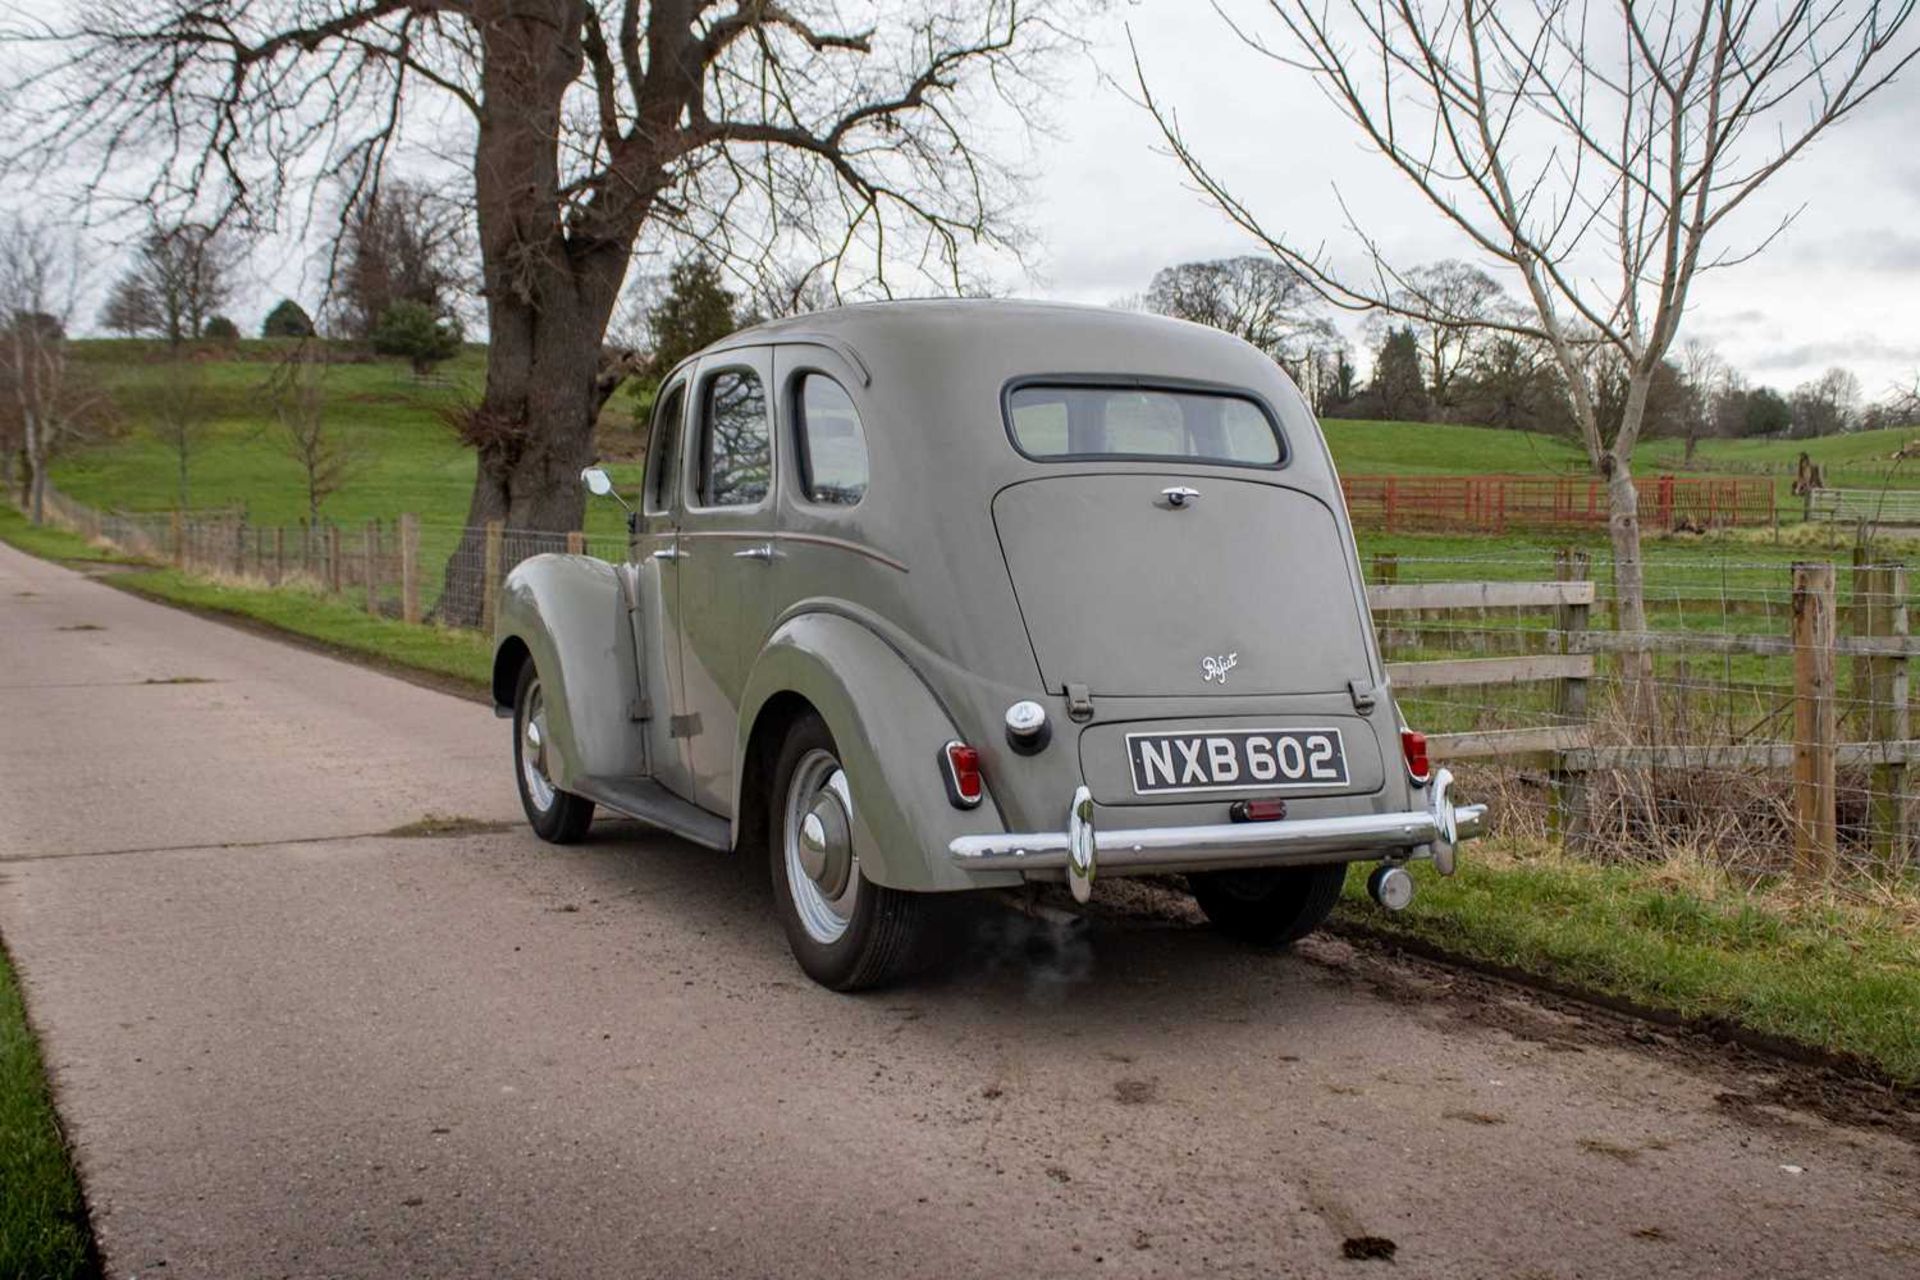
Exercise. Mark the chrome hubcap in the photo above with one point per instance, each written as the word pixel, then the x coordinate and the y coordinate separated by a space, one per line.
pixel 822 871
pixel 533 749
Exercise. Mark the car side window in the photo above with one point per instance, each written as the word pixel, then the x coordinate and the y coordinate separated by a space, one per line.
pixel 736 455
pixel 668 414
pixel 833 445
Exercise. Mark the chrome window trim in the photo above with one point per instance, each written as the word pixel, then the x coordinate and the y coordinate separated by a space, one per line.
pixel 697 457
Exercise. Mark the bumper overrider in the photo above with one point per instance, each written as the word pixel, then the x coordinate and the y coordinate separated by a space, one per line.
pixel 1434 832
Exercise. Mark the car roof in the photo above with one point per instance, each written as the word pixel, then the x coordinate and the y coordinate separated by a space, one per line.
pixel 1003 333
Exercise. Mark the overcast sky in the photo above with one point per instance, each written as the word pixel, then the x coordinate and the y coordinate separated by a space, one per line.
pixel 1842 286
pixel 1108 207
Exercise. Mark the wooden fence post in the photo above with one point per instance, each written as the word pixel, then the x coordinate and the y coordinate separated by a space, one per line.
pixel 1890 720
pixel 490 574
pixel 576 543
pixel 1567 800
pixel 370 555
pixel 410 568
pixel 333 558
pixel 279 553
pixel 1814 730
pixel 177 527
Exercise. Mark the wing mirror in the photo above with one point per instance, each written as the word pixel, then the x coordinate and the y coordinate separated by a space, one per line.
pixel 600 485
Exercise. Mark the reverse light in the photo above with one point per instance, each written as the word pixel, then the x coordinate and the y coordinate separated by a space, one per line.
pixel 960 770
pixel 1414 747
pixel 1027 727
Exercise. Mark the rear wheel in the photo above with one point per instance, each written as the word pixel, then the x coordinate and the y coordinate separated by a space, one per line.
pixel 556 815
pixel 1271 906
pixel 847 932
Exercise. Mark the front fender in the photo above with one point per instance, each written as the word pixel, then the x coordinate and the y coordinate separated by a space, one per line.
pixel 570 615
pixel 890 730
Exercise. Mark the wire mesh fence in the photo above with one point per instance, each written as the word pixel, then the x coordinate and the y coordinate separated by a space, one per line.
pixel 1760 719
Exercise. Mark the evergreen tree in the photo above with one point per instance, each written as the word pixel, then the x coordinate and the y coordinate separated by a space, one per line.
pixel 411 329
pixel 1399 391
pixel 287 320
pixel 697 310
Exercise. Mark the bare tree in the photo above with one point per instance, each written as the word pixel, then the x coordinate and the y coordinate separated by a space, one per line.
pixel 1451 306
pixel 131 309
pixel 327 458
pixel 179 418
pixel 399 241
pixel 1594 150
pixel 47 406
pixel 183 273
pixel 1261 300
pixel 743 125
pixel 1826 405
pixel 1704 376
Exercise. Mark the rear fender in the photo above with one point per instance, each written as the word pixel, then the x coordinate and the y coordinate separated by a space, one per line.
pixel 569 614
pixel 889 729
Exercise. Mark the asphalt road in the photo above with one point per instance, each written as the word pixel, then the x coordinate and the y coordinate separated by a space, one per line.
pixel 289 1042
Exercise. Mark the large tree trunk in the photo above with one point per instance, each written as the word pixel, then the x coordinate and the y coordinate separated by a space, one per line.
pixel 533 432
pixel 550 292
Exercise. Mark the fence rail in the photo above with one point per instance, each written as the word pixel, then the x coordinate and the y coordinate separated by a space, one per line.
pixel 1503 503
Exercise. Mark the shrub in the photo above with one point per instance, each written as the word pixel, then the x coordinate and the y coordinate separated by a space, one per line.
pixel 410 329
pixel 287 320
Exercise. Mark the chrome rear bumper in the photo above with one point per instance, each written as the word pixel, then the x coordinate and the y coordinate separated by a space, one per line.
pixel 1081 851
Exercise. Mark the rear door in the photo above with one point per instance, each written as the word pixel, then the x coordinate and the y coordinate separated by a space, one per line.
pixel 1133 588
pixel 728 555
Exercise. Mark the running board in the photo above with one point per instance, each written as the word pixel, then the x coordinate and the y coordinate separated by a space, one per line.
pixel 650 802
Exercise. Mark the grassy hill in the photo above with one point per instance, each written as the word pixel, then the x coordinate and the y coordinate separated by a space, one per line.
pixel 407 456
pixel 1859 460
pixel 410 461
pixel 1433 448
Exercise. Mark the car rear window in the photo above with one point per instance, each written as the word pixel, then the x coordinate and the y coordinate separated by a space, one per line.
pixel 1062 421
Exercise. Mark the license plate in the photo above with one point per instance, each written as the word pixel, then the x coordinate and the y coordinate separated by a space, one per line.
pixel 1242 759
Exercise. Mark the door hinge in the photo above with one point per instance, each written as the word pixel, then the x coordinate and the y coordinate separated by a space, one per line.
pixel 1079 702
pixel 638 708
pixel 684 726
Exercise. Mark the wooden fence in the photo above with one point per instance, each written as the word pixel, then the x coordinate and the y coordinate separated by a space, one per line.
pixel 1500 503
pixel 1877 644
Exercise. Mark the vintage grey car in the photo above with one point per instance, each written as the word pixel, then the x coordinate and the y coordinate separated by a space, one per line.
pixel 935 596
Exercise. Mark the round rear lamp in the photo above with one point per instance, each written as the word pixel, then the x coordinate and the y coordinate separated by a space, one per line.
pixel 1027 727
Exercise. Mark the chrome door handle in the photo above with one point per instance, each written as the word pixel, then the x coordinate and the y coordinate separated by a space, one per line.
pixel 669 553
pixel 1179 495
pixel 765 551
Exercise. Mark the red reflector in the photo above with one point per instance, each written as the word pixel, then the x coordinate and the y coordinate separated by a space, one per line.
pixel 1414 747
pixel 964 786
pixel 1258 810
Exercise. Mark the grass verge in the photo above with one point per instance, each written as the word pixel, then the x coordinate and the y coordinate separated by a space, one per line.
pixel 48 542
pixel 1835 976
pixel 465 657
pixel 43 1220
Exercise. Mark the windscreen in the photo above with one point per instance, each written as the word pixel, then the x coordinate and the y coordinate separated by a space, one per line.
pixel 1061 422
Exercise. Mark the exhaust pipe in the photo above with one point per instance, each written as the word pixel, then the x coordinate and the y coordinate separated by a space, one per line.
pixel 1391 887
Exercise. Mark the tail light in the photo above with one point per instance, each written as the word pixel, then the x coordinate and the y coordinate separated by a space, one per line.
pixel 1257 810
pixel 960 770
pixel 1414 747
